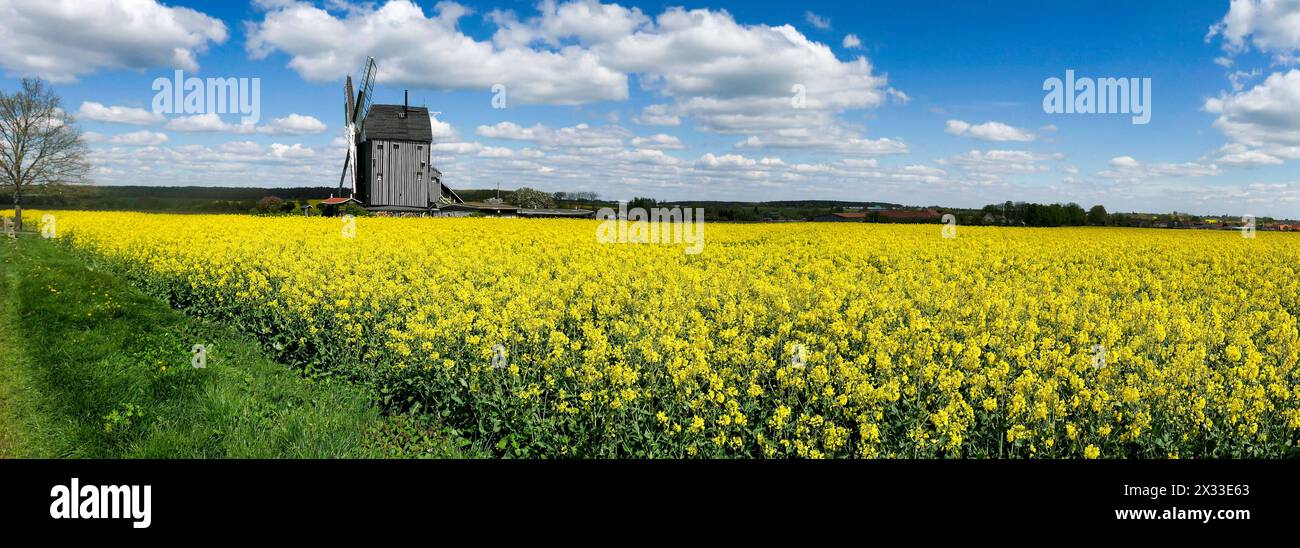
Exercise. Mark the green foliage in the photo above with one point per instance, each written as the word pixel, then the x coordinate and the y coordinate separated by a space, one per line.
pixel 121 420
pixel 1031 214
pixel 532 199
pixel 417 435
pixel 1097 215
pixel 643 203
pixel 270 205
pixel 354 210
pixel 121 383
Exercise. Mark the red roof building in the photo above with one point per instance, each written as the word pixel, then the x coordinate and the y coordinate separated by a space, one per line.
pixel 339 201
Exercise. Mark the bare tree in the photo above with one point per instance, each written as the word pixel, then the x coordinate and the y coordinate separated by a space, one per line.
pixel 39 142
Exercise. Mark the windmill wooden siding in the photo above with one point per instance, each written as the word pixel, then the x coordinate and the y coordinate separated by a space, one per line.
pixel 400 173
pixel 394 156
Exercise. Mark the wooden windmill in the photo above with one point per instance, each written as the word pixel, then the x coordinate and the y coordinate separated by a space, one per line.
pixel 389 163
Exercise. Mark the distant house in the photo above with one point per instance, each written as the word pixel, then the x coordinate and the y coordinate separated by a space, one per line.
pixel 841 218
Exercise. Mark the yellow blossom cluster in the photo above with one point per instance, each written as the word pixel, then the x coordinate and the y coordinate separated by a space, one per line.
pixel 803 340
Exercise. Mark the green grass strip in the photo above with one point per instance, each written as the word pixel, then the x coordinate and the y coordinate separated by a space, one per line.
pixel 91 367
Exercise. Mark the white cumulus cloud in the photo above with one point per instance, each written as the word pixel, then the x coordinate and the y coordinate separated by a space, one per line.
pixel 989 131
pixel 429 51
pixel 1263 122
pixel 1127 168
pixel 132 139
pixel 728 77
pixel 293 124
pixel 63 39
pixel 97 112
pixel 1271 26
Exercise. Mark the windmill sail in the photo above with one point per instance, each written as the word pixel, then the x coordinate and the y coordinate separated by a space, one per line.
pixel 349 161
pixel 354 117
pixel 351 106
pixel 364 93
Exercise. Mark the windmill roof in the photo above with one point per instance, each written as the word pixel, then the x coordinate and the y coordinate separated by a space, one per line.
pixel 386 122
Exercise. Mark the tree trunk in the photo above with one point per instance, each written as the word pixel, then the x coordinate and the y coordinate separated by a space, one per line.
pixel 18 211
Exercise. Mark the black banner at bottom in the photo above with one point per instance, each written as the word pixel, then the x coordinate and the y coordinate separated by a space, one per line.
pixel 554 499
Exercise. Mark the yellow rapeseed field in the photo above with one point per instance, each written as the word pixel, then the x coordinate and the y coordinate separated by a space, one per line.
pixel 803 340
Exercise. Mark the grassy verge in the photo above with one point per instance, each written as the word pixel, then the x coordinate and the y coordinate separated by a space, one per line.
pixel 91 367
pixel 17 408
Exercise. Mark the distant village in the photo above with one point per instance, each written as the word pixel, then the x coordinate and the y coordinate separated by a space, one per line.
pixel 1022 214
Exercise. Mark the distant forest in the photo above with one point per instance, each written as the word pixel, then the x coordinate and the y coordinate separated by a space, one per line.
pixel 187 199
pixel 193 199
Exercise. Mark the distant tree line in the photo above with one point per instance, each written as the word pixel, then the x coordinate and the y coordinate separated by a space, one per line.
pixel 161 199
pixel 270 201
pixel 1032 214
pixel 576 196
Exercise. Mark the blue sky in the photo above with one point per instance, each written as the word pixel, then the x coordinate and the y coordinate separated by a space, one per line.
pixel 914 102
